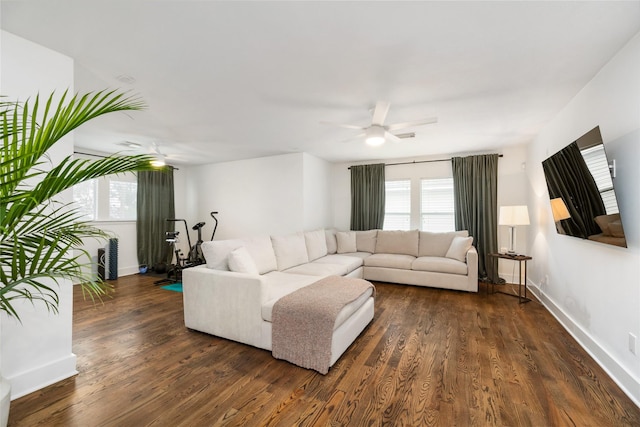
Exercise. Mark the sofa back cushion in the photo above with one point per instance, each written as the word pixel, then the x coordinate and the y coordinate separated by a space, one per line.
pixel 437 244
pixel 347 242
pixel 397 242
pixel 261 250
pixel 316 244
pixel 366 241
pixel 217 252
pixel 290 250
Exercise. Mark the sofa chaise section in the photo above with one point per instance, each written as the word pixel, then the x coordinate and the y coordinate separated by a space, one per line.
pixel 233 295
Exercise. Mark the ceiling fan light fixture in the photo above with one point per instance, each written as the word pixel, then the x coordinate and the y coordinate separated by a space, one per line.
pixel 375 136
pixel 158 161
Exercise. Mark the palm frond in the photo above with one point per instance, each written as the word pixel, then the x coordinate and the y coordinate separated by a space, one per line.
pixel 38 232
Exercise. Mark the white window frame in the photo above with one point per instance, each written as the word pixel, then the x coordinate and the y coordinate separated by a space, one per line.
pixel 393 214
pixel 437 205
pixel 596 160
pixel 103 208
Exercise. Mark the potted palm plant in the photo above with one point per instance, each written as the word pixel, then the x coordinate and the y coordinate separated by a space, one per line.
pixel 38 230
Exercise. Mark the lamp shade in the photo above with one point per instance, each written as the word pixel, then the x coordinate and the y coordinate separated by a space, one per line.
pixel 513 215
pixel 375 135
pixel 559 209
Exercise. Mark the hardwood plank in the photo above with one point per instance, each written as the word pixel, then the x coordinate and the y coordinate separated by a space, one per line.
pixel 430 357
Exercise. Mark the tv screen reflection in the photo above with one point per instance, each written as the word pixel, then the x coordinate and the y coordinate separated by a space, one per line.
pixel 583 200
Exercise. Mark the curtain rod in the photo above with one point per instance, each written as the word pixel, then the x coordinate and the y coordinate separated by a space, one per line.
pixel 104 157
pixel 420 161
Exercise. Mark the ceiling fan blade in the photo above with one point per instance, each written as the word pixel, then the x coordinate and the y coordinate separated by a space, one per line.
pixel 343 125
pixel 406 135
pixel 391 137
pixel 398 126
pixel 380 113
pixel 355 138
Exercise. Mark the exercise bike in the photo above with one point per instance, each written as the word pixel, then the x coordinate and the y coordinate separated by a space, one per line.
pixel 194 257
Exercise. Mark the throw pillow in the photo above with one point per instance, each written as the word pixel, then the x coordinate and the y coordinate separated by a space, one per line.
pixel 240 261
pixel 346 242
pixel 332 244
pixel 459 248
pixel 216 253
pixel 316 244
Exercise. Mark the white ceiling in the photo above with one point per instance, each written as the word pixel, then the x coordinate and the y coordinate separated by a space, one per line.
pixel 235 80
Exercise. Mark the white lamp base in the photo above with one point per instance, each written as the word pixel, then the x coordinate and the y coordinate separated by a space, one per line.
pixel 512 240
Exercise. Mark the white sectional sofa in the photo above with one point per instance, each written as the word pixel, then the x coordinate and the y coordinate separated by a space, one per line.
pixel 233 294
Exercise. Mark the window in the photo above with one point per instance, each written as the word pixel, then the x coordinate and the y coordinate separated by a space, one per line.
pixel 596 161
pixel 112 198
pixel 437 205
pixel 397 208
pixel 84 195
pixel 122 200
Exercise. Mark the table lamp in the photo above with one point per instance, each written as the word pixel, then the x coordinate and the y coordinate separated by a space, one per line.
pixel 513 216
pixel 559 211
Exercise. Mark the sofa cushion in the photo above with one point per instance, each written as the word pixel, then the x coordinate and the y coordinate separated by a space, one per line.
pixel 459 248
pixel 276 284
pixel 216 252
pixel 350 262
pixel 316 243
pixel 390 261
pixel 330 237
pixel 366 241
pixel 346 242
pixel 318 269
pixel 290 250
pixel 437 244
pixel 397 242
pixel 241 261
pixel 261 250
pixel 439 265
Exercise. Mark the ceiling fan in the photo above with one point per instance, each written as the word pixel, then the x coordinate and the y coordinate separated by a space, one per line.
pixel 153 149
pixel 377 132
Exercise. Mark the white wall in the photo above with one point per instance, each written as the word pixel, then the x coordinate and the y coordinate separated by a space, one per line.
pixel 262 196
pixel 593 288
pixel 316 193
pixel 37 352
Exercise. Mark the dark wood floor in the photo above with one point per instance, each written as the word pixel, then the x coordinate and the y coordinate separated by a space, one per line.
pixel 430 357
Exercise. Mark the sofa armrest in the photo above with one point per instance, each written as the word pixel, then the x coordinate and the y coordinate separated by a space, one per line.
pixel 223 303
pixel 472 269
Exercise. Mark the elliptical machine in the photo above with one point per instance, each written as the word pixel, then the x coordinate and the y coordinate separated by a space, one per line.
pixel 216 224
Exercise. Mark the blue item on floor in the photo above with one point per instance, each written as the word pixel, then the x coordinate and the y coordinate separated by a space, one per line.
pixel 177 287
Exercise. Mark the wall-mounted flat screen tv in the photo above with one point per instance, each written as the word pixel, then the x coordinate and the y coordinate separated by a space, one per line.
pixel 583 200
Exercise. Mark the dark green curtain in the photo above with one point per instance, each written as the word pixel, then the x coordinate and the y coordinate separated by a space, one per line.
pixel 475 186
pixel 155 205
pixel 568 176
pixel 367 197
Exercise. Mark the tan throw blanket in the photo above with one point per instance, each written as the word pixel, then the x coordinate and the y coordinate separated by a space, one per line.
pixel 303 321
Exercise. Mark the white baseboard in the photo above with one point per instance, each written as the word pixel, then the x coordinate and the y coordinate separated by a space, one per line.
pixel 618 373
pixel 42 376
pixel 127 271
